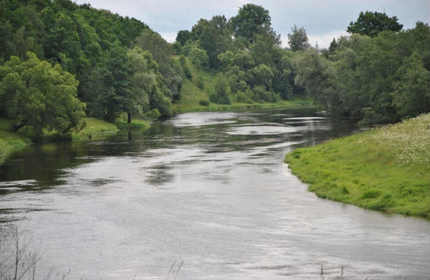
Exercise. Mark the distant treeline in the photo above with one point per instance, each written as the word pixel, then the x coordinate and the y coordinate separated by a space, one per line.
pixel 60 61
pixel 378 74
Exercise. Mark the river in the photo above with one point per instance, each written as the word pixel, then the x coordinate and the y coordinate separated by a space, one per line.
pixel 201 196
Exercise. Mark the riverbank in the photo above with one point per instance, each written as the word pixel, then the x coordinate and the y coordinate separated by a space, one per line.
pixel 11 142
pixel 211 107
pixel 386 169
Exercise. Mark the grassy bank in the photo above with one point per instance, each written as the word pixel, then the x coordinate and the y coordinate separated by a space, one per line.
pixel 95 130
pixel 385 169
pixel 10 142
pixel 287 104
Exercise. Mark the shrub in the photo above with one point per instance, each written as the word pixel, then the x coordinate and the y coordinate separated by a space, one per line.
pixel 204 102
pixel 221 95
pixel 200 83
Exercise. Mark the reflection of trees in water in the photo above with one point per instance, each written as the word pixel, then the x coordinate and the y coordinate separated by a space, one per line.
pixel 159 175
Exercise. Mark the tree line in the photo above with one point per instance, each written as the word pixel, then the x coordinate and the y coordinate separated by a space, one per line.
pixel 60 61
pixel 380 73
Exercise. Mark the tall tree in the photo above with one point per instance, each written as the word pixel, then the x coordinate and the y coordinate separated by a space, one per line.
pixel 372 23
pixel 214 36
pixel 34 93
pixel 298 39
pixel 250 21
pixel 183 36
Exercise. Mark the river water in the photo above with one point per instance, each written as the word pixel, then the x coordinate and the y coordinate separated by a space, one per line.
pixel 201 196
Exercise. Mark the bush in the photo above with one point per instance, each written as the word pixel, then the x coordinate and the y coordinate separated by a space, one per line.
pixel 200 83
pixel 242 97
pixel 263 95
pixel 221 95
pixel 204 102
pixel 152 115
pixel 185 68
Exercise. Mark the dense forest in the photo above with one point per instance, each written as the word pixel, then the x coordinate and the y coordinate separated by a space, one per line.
pixel 60 61
pixel 379 74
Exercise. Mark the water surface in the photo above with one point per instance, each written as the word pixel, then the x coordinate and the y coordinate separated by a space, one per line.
pixel 201 196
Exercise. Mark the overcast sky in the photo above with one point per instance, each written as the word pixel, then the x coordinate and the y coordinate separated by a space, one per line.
pixel 322 19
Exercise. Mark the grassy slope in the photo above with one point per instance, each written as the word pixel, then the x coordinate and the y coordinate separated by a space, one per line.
pixel 385 169
pixel 191 95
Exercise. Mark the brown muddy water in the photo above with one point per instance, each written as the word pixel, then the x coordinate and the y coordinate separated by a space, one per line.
pixel 201 196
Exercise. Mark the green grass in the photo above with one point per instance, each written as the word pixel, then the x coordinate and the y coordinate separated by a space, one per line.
pixel 95 130
pixel 10 142
pixel 386 169
pixel 192 95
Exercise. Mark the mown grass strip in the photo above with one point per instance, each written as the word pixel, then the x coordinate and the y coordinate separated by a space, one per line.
pixel 386 169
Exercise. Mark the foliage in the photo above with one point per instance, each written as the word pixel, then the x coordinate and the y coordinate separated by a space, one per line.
pixel 247 50
pixel 371 79
pixel 250 21
pixel 183 37
pixel 221 94
pixel 213 36
pixel 298 39
pixel 372 23
pixel 93 45
pixel 199 57
pixel 10 142
pixel 411 94
pixel 94 129
pixel 383 169
pixel 204 102
pixel 36 94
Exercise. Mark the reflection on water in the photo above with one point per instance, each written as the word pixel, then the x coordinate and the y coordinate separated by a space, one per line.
pixel 204 195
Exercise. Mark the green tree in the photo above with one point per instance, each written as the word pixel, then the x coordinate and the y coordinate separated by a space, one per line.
pixel 36 94
pixel 143 79
pixel 372 23
pixel 250 21
pixel 199 57
pixel 262 75
pixel 214 36
pixel 317 76
pixel 298 39
pixel 412 90
pixel 222 92
pixel 183 37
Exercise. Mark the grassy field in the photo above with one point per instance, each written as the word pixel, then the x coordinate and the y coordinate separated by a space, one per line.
pixel 196 91
pixel 386 169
